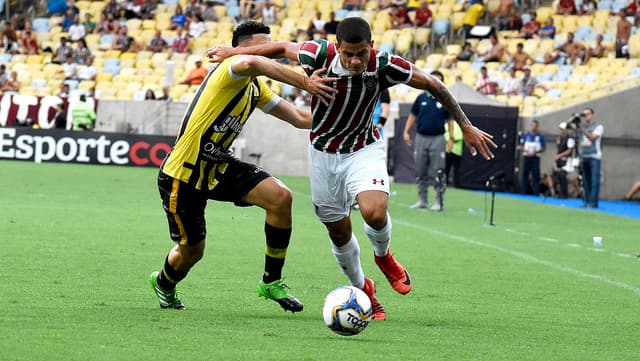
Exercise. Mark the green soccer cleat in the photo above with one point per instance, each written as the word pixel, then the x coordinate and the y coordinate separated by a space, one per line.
pixel 168 299
pixel 277 291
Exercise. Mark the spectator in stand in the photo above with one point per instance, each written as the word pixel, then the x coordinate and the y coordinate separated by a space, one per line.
pixel 511 85
pixel 70 69
pixel 267 13
pixel 64 91
pixel 548 31
pixel 9 39
pixel 486 84
pixel 112 8
pixel 528 83
pixel 474 11
pixel 209 12
pixel 531 144
pixel 29 43
pixel 76 31
pixel 566 7
pixel 149 95
pixel 12 85
pixel 196 26
pixel 124 42
pixel 495 52
pixel 165 94
pixel 181 42
pixel 423 15
pixel 399 17
pixel 247 9
pixel 133 9
pixel 82 53
pixel 157 43
pixel 520 58
pixel 196 75
pixel 623 33
pixel 89 25
pixel 69 18
pixel 193 7
pixel 89 71
pixel 148 9
pixel 562 53
pixel 465 55
pixel 63 51
pixel 316 26
pixel 383 4
pixel 529 30
pixel 71 4
pixel 597 49
pixel 504 15
pixel 588 7
pixel 178 20
pixel 332 25
pixel 4 75
pixel 108 24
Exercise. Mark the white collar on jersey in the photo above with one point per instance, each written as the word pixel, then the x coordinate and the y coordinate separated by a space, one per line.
pixel 337 68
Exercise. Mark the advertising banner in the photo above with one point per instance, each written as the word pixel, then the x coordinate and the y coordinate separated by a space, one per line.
pixel 61 146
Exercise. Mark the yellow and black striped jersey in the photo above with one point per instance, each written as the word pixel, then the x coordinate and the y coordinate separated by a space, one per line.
pixel 212 121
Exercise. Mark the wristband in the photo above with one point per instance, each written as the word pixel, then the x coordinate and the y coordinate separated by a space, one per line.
pixel 382 121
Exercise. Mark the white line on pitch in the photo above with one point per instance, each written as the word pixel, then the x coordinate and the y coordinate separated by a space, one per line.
pixel 523 256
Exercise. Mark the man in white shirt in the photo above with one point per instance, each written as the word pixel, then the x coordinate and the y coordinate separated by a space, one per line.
pixel 89 71
pixel 76 31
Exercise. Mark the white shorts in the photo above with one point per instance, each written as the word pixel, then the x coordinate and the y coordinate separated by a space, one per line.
pixel 336 179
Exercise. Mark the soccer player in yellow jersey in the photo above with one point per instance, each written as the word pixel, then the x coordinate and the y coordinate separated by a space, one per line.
pixel 201 166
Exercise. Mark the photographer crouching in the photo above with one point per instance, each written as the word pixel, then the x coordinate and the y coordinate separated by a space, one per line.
pixel 589 140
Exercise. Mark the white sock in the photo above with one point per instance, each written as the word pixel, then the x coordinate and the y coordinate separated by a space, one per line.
pixel 379 239
pixel 348 257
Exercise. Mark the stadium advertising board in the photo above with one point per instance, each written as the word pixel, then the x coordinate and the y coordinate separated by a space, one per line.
pixel 18 108
pixel 62 146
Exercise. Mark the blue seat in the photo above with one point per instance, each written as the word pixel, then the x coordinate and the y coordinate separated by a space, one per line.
pixel 544 76
pixel 170 2
pixel 233 11
pixel 635 72
pixel 73 84
pixel 554 93
pixel 340 13
pixel 112 66
pixel 41 25
pixel 5 58
pixel 386 47
pixel 441 26
pixel 106 39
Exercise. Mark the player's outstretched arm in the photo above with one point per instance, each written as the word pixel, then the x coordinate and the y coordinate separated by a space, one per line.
pixel 476 139
pixel 273 50
pixel 289 113
pixel 316 85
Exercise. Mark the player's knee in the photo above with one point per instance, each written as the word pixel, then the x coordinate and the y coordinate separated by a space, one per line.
pixel 376 217
pixel 193 252
pixel 283 199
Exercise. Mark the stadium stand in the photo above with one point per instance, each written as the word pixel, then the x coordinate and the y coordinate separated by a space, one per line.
pixel 126 75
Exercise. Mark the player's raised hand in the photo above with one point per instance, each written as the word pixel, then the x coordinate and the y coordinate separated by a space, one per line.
pixel 219 53
pixel 318 87
pixel 478 140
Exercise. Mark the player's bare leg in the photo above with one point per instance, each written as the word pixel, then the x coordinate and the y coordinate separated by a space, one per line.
pixel 377 226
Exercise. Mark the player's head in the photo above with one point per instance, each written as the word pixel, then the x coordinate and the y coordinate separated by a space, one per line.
pixel 354 44
pixel 250 33
pixel 438 75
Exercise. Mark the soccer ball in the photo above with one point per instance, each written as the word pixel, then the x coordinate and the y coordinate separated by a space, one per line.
pixel 347 310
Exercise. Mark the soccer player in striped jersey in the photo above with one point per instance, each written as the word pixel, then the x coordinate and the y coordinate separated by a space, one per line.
pixel 346 153
pixel 200 166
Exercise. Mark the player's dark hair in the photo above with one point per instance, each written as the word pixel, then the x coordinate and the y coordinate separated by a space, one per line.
pixel 438 74
pixel 591 110
pixel 246 30
pixel 353 30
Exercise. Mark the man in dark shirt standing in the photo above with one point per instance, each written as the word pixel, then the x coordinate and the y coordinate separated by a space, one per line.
pixel 331 26
pixel 430 146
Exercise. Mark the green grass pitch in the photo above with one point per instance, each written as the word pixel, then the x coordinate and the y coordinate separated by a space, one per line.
pixel 78 243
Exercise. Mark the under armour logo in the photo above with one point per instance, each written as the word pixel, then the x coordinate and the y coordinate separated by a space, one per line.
pixel 376 181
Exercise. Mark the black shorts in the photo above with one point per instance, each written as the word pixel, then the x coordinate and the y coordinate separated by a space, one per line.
pixel 184 205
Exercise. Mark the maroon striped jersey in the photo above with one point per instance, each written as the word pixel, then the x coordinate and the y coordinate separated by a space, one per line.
pixel 345 125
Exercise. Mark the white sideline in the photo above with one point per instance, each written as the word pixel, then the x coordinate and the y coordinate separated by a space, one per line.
pixel 521 255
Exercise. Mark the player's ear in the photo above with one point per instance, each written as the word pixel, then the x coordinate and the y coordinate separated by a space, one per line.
pixel 371 44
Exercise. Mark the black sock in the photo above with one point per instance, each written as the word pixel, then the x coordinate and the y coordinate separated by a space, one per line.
pixel 169 277
pixel 277 243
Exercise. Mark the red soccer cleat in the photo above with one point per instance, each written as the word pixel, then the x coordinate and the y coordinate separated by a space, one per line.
pixel 396 274
pixel 378 310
